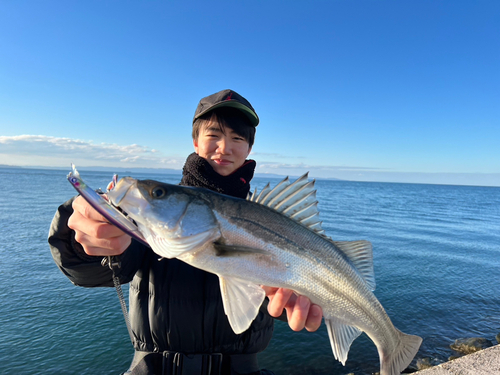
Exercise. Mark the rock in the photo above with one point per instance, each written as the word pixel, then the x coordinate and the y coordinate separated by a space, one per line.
pixel 470 345
pixel 427 362
pixel 498 338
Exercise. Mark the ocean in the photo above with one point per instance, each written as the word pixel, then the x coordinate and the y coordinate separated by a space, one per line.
pixel 436 259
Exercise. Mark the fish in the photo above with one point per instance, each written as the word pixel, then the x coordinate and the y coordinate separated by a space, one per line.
pixel 272 238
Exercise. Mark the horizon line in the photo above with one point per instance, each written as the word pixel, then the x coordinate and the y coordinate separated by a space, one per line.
pixel 276 175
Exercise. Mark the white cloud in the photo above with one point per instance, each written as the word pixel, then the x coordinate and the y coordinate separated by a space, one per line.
pixel 53 151
pixel 40 150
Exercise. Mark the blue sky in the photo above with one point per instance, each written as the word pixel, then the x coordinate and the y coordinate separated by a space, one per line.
pixel 404 91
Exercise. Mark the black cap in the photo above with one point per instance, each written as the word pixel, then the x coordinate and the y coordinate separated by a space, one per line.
pixel 226 98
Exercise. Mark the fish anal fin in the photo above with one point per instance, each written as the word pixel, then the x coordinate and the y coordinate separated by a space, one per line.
pixel 241 300
pixel 361 255
pixel 341 337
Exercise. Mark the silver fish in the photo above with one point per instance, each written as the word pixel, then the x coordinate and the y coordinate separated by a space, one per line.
pixel 273 238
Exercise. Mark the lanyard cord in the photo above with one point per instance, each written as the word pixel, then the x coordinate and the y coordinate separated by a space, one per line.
pixel 113 264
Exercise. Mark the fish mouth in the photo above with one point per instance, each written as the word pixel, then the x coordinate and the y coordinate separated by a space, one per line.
pixel 120 190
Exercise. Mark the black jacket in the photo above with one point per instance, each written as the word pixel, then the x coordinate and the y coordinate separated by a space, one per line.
pixel 173 306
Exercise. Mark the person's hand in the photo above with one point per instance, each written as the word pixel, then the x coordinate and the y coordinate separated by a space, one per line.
pixel 94 233
pixel 301 313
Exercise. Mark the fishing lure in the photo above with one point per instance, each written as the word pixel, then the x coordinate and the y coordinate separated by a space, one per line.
pixel 97 201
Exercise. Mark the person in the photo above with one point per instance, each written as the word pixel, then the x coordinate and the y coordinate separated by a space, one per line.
pixel 176 315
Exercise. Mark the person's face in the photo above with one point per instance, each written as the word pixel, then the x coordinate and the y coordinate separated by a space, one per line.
pixel 225 152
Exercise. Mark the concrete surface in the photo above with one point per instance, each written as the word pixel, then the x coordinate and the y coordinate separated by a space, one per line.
pixel 484 362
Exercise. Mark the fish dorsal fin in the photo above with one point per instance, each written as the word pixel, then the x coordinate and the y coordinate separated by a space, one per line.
pixel 241 300
pixel 341 337
pixel 297 200
pixel 361 255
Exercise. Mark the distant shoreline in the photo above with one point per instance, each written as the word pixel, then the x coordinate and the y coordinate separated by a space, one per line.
pixel 121 170
pixel 448 179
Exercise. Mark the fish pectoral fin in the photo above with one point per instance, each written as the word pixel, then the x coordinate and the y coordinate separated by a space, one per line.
pixel 361 255
pixel 241 300
pixel 341 337
pixel 230 250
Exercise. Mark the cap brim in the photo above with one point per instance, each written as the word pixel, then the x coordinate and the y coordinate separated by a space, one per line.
pixel 252 116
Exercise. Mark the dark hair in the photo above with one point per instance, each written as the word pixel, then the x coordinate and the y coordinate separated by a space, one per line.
pixel 227 117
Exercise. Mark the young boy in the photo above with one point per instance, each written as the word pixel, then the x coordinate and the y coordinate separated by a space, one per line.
pixel 176 313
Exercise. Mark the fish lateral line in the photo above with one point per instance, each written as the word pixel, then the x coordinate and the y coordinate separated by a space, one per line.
pixel 225 250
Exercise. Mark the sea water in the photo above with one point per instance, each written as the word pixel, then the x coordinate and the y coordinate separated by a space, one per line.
pixel 436 258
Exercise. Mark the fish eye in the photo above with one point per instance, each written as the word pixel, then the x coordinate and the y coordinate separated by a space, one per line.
pixel 158 192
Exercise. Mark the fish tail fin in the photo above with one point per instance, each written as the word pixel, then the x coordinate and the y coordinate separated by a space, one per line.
pixel 394 363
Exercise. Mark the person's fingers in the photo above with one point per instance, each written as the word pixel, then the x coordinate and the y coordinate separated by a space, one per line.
pixel 97 236
pixel 90 226
pixel 301 313
pixel 297 315
pixel 314 318
pixel 278 301
pixel 270 290
pixel 85 209
pixel 103 246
